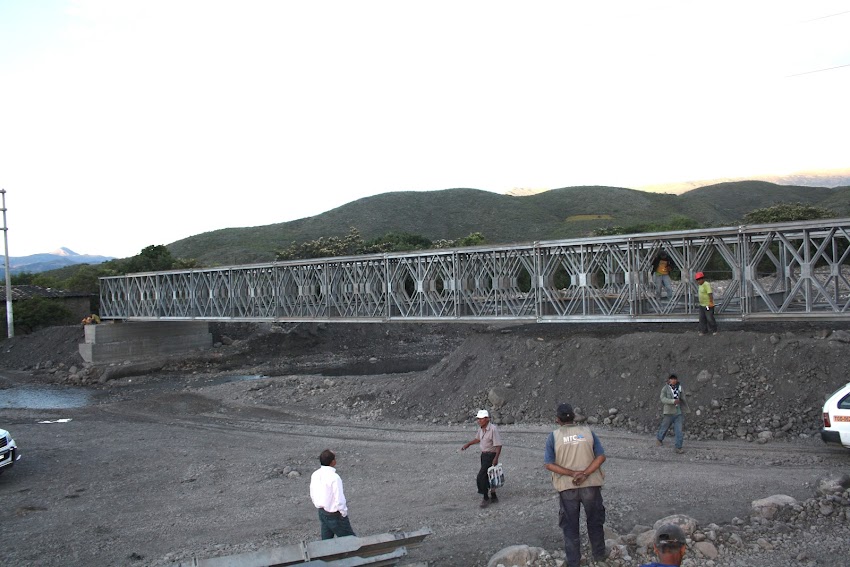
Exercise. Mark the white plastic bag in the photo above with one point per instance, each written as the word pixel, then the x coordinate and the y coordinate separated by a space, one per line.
pixel 496 474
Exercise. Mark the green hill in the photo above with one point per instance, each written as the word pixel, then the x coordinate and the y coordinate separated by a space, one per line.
pixel 454 213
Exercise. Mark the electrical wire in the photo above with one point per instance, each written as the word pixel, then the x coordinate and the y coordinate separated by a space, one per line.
pixel 817 71
pixel 824 17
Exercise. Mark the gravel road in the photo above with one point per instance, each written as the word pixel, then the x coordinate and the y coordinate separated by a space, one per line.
pixel 150 475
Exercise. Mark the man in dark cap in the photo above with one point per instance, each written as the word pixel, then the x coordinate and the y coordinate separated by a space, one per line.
pixel 574 455
pixel 670 546
pixel 675 406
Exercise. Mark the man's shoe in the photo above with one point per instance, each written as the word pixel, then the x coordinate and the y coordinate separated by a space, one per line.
pixel 680 450
pixel 714 333
pixel 493 498
pixel 658 443
pixel 484 503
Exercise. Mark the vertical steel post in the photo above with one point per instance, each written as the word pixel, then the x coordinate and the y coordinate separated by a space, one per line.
pixel 10 319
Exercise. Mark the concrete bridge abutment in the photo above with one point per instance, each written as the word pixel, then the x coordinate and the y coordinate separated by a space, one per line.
pixel 142 340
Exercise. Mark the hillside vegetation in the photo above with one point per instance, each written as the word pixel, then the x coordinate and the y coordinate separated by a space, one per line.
pixel 569 212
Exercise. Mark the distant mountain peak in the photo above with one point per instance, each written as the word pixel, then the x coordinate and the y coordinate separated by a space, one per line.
pixel 64 252
pixel 525 191
pixel 60 258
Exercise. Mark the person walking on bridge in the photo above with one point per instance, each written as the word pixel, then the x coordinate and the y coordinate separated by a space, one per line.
pixel 707 322
pixel 662 269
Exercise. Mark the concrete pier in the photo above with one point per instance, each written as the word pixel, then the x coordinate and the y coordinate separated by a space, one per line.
pixel 118 342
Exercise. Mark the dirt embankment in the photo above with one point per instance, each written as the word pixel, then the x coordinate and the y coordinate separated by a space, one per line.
pixel 744 381
pixel 147 473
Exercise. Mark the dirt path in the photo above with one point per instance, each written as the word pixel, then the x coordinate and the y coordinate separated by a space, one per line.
pixel 164 475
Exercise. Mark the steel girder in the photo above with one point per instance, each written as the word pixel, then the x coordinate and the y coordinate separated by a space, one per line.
pixel 782 271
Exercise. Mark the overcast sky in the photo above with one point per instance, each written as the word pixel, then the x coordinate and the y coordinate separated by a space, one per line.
pixel 126 123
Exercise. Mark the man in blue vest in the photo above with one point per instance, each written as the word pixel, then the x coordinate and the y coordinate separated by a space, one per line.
pixel 574 455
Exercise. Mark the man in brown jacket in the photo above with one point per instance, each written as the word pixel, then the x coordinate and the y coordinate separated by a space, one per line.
pixel 574 455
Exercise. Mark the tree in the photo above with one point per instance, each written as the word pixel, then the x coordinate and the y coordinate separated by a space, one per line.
pixel 787 212
pixel 398 242
pixel 37 312
pixel 676 222
pixel 185 264
pixel 41 279
pixel 353 245
pixel 324 247
pixel 472 239
pixel 85 279
pixel 152 258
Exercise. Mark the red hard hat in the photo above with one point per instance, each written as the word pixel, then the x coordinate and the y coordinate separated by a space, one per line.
pixel 699 276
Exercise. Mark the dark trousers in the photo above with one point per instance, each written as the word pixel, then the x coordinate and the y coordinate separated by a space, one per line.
pixel 334 524
pixel 482 479
pixel 568 518
pixel 707 323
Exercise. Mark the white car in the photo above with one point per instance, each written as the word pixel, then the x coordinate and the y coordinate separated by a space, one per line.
pixel 8 451
pixel 836 418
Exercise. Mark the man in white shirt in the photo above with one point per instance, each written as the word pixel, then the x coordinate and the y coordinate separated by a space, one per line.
pixel 327 495
pixel 490 443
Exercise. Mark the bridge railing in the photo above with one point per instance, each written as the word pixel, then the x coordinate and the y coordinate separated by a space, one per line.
pixel 795 270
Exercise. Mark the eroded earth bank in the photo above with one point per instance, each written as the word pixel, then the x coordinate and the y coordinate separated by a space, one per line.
pixel 210 454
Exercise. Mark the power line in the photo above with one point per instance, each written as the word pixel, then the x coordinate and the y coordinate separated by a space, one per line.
pixel 824 17
pixel 818 70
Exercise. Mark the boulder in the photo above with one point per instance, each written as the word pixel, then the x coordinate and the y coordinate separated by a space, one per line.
pixel 515 555
pixel 646 539
pixel 840 335
pixel 129 370
pixel 706 549
pixel 686 523
pixel 499 396
pixel 835 484
pixel 767 508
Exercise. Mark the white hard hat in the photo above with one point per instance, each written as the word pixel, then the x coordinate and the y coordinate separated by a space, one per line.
pixel 482 413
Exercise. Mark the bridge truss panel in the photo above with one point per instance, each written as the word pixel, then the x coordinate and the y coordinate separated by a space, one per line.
pixel 799 271
pixel 113 298
pixel 422 286
pixel 496 284
pixel 782 271
pixel 357 289
pixel 176 297
pixel 301 292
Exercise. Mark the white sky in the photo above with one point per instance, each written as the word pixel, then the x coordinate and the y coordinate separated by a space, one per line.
pixel 126 123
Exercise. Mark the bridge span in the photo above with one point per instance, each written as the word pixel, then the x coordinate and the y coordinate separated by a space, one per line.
pixel 783 271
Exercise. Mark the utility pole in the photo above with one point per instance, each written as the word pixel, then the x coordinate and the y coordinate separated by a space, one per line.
pixel 10 320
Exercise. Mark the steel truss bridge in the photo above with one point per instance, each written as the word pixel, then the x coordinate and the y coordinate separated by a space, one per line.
pixel 786 271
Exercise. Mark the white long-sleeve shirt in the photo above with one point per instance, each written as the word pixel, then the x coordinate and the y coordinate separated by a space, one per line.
pixel 326 491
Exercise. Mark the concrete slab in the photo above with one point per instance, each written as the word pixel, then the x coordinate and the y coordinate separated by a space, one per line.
pixel 118 342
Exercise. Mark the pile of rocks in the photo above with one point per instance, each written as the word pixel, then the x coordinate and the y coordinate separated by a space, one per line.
pixel 83 374
pixel 779 530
